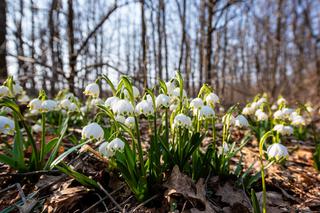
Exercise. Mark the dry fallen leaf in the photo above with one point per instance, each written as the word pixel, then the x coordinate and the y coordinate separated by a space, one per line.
pixel 236 198
pixel 180 185
pixel 64 198
pixel 275 202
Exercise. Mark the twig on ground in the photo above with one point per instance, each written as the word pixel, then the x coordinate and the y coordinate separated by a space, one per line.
pixel 124 202
pixel 102 199
pixel 145 202
pixel 30 173
pixel 110 197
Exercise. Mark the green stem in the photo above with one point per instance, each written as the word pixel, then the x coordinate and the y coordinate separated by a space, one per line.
pixel 198 121
pixel 264 193
pixel 43 136
pixel 214 132
pixel 139 146
pixel 167 126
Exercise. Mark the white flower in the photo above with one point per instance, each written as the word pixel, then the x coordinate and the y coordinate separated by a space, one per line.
pixel 297 120
pixel 122 107
pixel 120 119
pixel 261 101
pixel 281 101
pixel 176 93
pixel 310 109
pixel 110 101
pixel 36 128
pixel 72 107
pixel 282 129
pixel 212 98
pixel 287 111
pixel 277 151
pixel 173 107
pixel 248 110
pixel 103 149
pixel 144 108
pixel 279 114
pixel 65 103
pixel 6 109
pixel 283 113
pixel 6 125
pixel 206 112
pixel 35 104
pixel 92 90
pixel 83 109
pixel 92 130
pixel 254 106
pixel 196 103
pixel 135 90
pixel 109 149
pixel 261 116
pixel 96 101
pixel 241 121
pixel 24 99
pixel 170 87
pixel 130 122
pixel 274 107
pixel 231 119
pixel 17 89
pixel 48 105
pixel 162 101
pixel 182 120
pixel 4 91
pixel 225 147
pixel 116 145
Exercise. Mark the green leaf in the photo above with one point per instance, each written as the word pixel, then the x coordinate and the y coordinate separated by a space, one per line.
pixel 57 145
pixel 8 160
pixel 81 178
pixel 163 87
pixel 254 201
pixel 105 77
pixel 18 150
pixel 66 153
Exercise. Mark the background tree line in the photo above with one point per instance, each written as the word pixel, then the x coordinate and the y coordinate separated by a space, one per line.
pixel 240 47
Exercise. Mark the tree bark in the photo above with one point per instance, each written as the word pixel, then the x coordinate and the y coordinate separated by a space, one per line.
pixel 143 64
pixel 71 52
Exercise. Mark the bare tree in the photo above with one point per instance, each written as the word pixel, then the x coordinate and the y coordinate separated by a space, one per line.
pixel 3 43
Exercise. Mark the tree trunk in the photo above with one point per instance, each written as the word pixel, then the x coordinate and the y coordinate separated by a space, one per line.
pixel 72 55
pixel 143 64
pixel 3 45
pixel 208 65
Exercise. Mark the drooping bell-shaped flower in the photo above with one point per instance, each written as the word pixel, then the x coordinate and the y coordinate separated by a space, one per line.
pixel 212 98
pixel 4 91
pixel 122 107
pixel 206 112
pixel 35 104
pixel 241 121
pixel 92 90
pixel 92 131
pixel 283 130
pixel 277 151
pixel 261 116
pixel 6 125
pixel 196 104
pixel 48 105
pixel 162 101
pixel 181 120
pixel 144 108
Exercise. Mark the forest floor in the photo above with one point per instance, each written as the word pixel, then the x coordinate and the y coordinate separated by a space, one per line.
pixel 292 187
